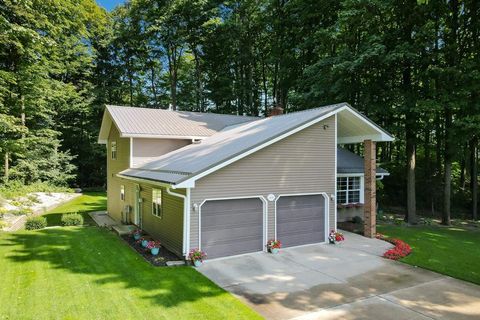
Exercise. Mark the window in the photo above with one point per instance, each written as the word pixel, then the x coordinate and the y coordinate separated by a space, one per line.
pixel 122 192
pixel 348 190
pixel 157 209
pixel 113 150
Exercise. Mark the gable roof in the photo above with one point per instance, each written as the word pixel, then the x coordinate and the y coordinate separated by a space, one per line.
pixel 194 161
pixel 349 162
pixel 159 123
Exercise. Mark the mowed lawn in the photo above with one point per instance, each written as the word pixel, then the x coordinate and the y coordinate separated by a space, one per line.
pixel 453 251
pixel 89 273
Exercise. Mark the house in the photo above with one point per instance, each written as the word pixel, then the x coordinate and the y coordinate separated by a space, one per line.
pixel 227 184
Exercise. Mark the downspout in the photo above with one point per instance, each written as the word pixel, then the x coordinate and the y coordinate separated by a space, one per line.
pixel 186 217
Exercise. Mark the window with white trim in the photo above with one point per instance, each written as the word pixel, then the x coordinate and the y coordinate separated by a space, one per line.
pixel 348 190
pixel 113 150
pixel 122 192
pixel 157 201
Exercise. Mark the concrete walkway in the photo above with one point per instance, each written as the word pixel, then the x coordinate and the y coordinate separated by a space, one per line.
pixel 346 281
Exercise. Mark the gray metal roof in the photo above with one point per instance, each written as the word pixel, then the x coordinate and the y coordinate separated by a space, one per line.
pixel 349 162
pixel 223 146
pixel 132 121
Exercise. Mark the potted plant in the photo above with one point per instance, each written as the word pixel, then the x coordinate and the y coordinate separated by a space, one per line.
pixel 335 236
pixel 274 246
pixel 154 247
pixel 144 242
pixel 196 256
pixel 137 234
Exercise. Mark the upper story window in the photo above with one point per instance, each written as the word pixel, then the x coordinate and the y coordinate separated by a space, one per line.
pixel 113 150
pixel 157 201
pixel 348 190
pixel 122 192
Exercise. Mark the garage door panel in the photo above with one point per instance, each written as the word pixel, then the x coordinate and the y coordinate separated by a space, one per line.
pixel 301 226
pixel 231 227
pixel 232 234
pixel 225 249
pixel 244 216
pixel 301 219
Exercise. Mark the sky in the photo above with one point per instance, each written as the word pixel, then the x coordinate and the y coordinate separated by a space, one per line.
pixel 109 4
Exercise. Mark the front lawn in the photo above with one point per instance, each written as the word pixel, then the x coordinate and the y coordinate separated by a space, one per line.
pixel 454 251
pixel 90 273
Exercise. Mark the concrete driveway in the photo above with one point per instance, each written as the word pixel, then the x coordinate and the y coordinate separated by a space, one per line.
pixel 346 281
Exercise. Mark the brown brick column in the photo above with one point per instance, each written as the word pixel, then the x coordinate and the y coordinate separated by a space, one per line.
pixel 370 190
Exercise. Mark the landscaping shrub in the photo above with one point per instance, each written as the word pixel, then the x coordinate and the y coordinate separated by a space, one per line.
pixel 14 189
pixel 22 211
pixel 72 219
pixel 401 249
pixel 35 223
pixel 357 220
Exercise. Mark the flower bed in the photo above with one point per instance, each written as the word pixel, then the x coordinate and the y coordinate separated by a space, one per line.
pixel 400 250
pixel 159 260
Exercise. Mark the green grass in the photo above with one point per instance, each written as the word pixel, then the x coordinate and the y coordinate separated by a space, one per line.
pixel 89 201
pixel 90 273
pixel 453 251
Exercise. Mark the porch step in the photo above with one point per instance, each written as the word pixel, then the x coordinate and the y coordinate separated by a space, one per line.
pixel 102 219
pixel 122 229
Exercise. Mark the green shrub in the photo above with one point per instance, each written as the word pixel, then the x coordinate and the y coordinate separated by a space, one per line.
pixel 14 189
pixel 357 220
pixel 72 219
pixel 35 223
pixel 3 224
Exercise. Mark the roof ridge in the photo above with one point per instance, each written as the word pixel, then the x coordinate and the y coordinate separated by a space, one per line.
pixel 185 111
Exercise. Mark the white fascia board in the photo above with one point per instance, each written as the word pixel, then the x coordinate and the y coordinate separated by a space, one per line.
pixel 161 136
pixel 385 137
pixel 360 174
pixel 359 139
pixel 187 183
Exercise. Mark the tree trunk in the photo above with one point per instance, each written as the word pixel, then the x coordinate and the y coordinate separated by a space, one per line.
pixel 411 165
pixel 447 191
pixel 473 177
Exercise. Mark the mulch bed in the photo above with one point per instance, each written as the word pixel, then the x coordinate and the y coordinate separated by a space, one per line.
pixel 350 226
pixel 159 260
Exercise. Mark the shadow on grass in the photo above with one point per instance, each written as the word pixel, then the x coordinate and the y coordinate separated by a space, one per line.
pixel 99 253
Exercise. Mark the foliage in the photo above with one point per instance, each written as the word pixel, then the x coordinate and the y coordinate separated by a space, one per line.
pixel 72 219
pixel 35 223
pixel 274 244
pixel 196 255
pixel 400 250
pixel 452 251
pixel 335 236
pixel 357 220
pixel 15 189
pixel 412 66
pixel 153 244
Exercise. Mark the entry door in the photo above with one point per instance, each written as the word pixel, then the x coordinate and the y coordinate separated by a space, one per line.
pixel 137 207
pixel 301 219
pixel 231 227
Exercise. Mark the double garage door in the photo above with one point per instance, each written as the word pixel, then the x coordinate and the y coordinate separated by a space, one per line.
pixel 236 226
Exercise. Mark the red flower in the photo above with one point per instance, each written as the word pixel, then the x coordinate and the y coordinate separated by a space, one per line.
pixel 400 250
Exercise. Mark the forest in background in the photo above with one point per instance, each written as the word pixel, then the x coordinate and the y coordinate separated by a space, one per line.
pixel 412 66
